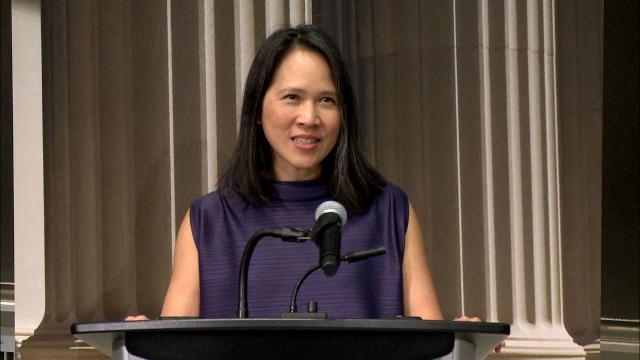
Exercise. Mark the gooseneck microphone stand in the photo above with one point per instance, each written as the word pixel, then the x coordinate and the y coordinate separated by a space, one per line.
pixel 293 308
pixel 286 234
pixel 349 258
pixel 289 235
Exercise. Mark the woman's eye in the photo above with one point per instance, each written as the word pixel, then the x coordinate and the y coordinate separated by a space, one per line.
pixel 291 97
pixel 327 99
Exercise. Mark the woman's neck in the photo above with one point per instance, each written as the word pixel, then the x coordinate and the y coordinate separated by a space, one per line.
pixel 295 174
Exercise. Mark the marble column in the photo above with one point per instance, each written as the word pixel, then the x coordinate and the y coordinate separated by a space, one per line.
pixel 538 327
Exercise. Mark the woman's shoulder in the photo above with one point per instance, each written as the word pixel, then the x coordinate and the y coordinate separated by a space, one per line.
pixel 393 199
pixel 215 199
pixel 207 200
pixel 393 192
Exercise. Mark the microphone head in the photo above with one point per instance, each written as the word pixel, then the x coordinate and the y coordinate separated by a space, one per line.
pixel 332 207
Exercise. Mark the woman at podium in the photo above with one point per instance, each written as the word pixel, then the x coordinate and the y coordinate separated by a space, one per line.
pixel 298 146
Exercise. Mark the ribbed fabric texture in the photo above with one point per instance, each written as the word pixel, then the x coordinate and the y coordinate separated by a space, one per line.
pixel 222 223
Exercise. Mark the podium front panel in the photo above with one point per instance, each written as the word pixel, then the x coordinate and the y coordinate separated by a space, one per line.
pixel 291 344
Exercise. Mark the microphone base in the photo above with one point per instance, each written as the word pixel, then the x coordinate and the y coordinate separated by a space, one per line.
pixel 303 315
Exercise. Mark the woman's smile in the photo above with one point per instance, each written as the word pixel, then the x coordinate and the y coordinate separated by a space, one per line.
pixel 305 142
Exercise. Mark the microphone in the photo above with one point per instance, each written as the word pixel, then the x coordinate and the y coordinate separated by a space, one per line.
pixel 327 234
pixel 363 254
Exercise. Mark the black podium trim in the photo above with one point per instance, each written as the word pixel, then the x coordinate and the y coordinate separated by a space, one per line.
pixel 403 338
pixel 395 324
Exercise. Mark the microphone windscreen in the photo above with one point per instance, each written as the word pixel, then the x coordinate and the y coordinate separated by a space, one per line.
pixel 332 207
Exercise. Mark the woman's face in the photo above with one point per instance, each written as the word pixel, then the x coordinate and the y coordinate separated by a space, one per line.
pixel 301 116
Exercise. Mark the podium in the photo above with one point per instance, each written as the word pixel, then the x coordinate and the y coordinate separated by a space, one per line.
pixel 396 338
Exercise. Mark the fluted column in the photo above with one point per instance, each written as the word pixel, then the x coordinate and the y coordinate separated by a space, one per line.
pixel 459 105
pixel 538 326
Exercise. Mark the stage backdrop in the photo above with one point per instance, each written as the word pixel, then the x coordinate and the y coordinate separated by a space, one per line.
pixel 488 113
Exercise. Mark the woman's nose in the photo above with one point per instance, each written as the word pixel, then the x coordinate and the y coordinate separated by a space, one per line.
pixel 308 114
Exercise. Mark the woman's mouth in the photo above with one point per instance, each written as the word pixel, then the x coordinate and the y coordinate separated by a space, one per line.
pixel 305 140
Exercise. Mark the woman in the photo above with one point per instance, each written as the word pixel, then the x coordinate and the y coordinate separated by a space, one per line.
pixel 299 146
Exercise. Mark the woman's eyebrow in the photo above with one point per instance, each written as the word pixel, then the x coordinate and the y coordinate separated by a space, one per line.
pixel 329 93
pixel 295 90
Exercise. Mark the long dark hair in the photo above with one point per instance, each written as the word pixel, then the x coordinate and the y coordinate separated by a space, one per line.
pixel 352 181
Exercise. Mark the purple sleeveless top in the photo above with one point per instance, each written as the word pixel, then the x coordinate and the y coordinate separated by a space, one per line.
pixel 222 223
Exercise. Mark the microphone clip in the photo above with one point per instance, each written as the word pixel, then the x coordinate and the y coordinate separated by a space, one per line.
pixel 290 234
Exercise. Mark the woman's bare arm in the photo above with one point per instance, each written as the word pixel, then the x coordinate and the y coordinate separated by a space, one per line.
pixel 420 297
pixel 183 295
